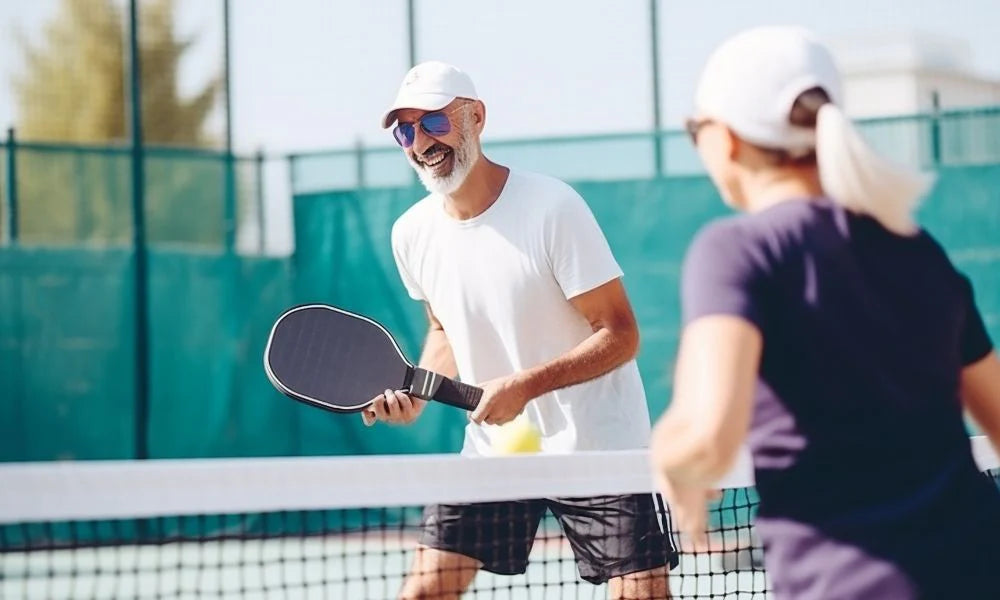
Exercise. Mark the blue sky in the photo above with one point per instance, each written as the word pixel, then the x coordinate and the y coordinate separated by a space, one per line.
pixel 311 74
pixel 544 67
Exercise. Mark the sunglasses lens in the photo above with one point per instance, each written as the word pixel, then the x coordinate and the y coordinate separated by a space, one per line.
pixel 436 124
pixel 403 134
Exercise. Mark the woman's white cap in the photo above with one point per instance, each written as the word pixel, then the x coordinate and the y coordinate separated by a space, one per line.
pixel 752 80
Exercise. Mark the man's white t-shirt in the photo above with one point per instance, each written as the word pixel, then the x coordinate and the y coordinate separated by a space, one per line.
pixel 499 283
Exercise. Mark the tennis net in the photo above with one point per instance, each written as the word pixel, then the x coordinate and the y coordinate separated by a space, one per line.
pixel 344 527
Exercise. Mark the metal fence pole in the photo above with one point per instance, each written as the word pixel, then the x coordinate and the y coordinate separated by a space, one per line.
pixel 141 300
pixel 654 49
pixel 936 129
pixel 80 197
pixel 16 388
pixel 411 36
pixel 258 173
pixel 12 220
pixel 229 222
pixel 411 32
pixel 291 159
pixel 359 163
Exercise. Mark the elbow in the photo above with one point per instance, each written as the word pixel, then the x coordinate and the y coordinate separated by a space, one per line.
pixel 630 343
pixel 622 338
pixel 627 333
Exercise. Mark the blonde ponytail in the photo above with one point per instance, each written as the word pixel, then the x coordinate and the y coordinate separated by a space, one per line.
pixel 860 180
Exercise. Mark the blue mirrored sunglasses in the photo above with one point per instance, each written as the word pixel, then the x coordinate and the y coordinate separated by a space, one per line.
pixel 435 124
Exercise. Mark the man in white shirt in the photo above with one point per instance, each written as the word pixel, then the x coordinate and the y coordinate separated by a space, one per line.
pixel 524 299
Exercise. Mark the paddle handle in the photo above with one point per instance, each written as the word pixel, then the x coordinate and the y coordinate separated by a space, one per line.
pixel 433 386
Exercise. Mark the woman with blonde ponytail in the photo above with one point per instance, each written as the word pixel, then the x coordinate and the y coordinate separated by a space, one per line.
pixel 860 180
pixel 827 331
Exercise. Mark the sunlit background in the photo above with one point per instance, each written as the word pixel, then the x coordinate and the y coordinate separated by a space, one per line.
pixel 175 173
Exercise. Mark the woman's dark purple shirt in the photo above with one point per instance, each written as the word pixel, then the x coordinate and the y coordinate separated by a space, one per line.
pixel 867 484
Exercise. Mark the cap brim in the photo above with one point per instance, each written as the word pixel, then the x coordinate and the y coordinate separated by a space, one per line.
pixel 418 102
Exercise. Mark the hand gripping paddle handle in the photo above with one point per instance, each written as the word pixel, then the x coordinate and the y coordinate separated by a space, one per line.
pixel 432 386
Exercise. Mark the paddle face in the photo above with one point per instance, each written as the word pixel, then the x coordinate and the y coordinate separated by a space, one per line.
pixel 333 359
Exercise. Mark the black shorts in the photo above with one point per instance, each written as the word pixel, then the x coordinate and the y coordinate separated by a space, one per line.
pixel 610 535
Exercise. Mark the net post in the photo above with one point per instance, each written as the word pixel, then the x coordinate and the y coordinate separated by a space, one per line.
pixel 141 289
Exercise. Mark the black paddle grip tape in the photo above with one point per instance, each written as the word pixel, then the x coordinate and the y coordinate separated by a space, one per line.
pixel 459 394
pixel 432 386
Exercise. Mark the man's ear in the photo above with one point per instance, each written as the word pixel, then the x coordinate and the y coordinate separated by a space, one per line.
pixel 479 116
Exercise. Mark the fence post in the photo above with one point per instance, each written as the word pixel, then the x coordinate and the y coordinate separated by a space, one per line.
pixel 141 301
pixel 359 163
pixel 80 197
pixel 229 203
pixel 411 38
pixel 654 45
pixel 411 33
pixel 229 223
pixel 258 174
pixel 12 220
pixel 292 159
pixel 936 129
pixel 16 387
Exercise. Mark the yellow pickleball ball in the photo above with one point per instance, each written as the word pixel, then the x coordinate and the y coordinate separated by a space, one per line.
pixel 517 437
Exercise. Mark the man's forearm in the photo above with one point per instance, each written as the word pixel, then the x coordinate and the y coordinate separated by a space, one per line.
pixel 437 355
pixel 603 351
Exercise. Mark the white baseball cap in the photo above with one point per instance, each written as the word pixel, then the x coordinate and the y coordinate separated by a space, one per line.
pixel 752 80
pixel 431 85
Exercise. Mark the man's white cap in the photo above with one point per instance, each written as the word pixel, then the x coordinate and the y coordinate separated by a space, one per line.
pixel 431 85
pixel 752 80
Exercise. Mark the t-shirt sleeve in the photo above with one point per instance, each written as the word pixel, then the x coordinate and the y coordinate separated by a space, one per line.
pixel 722 275
pixel 975 341
pixel 401 255
pixel 578 252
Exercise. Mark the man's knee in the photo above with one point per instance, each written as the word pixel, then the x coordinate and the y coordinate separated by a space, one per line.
pixel 438 575
pixel 653 584
pixel 427 589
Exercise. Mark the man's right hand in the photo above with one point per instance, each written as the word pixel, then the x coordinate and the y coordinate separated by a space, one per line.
pixel 394 407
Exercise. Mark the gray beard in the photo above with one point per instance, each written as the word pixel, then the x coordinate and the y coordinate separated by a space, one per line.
pixel 464 155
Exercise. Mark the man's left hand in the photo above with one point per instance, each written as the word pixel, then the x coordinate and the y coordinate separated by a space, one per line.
pixel 503 399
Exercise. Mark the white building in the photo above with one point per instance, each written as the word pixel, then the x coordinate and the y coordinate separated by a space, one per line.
pixel 899 74
pixel 910 74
